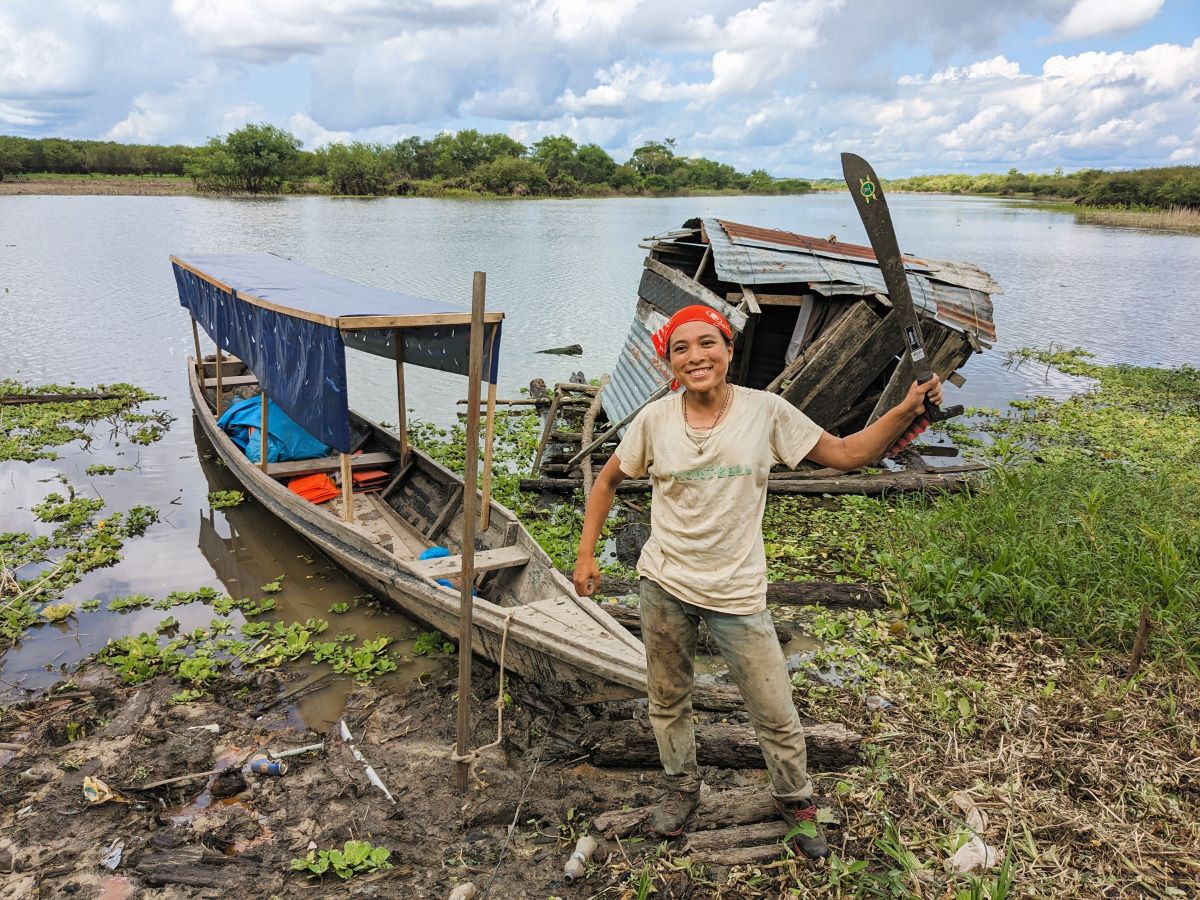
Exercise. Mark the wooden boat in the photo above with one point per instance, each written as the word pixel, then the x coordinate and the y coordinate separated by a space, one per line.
pixel 565 644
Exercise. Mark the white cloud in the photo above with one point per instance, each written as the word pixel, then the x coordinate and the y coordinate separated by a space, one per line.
pixel 1089 18
pixel 313 135
pixel 38 61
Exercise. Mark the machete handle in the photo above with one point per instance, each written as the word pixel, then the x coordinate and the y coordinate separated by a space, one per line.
pixel 937 413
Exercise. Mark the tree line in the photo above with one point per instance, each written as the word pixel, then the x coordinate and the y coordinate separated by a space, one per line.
pixel 267 159
pixel 1174 187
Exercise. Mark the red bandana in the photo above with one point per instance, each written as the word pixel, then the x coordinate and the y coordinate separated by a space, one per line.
pixel 697 313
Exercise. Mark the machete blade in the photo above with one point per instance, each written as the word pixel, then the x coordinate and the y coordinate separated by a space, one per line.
pixel 872 208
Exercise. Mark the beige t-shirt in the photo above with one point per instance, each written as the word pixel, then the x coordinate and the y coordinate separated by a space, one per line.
pixel 706 544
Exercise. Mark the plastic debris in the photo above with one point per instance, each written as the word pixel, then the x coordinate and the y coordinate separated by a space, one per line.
pixel 214 728
pixel 371 776
pixel 96 791
pixel 112 856
pixel 464 891
pixel 577 863
pixel 974 855
pixel 295 751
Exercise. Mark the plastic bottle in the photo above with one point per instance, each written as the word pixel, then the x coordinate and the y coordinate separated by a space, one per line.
pixel 584 848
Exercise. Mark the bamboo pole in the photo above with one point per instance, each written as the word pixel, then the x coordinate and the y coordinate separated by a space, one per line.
pixel 262 445
pixel 485 511
pixel 401 415
pixel 466 586
pixel 347 489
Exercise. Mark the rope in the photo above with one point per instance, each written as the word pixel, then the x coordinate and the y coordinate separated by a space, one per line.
pixel 472 756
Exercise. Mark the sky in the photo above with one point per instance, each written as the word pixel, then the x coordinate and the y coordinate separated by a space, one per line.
pixel 784 85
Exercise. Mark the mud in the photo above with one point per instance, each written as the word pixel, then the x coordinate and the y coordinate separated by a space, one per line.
pixel 226 833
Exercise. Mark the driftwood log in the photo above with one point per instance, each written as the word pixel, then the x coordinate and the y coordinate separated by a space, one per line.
pixel 630 744
pixel 949 479
pixel 192 865
pixel 717 809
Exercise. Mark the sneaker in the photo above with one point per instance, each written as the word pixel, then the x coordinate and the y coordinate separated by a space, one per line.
pixel 797 813
pixel 672 813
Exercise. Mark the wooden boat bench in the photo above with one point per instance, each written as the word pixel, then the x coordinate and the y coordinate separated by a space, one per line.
pixel 231 381
pixel 485 561
pixel 327 464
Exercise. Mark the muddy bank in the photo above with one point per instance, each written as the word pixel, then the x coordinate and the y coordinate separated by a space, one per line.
pixel 83 185
pixel 225 833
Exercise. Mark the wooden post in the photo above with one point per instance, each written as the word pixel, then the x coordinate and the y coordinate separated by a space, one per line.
pixel 1139 641
pixel 199 359
pixel 220 366
pixel 485 511
pixel 262 446
pixel 466 598
pixel 401 413
pixel 347 489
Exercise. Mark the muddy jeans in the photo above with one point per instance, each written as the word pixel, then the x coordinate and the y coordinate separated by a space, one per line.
pixel 751 650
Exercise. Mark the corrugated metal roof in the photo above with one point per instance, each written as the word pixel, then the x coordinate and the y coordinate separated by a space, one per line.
pixel 953 293
pixel 639 371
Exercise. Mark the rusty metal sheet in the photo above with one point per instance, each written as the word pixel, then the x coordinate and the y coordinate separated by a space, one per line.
pixel 773 238
pixel 952 293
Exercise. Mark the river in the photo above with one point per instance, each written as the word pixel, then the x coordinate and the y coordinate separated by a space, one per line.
pixel 88 296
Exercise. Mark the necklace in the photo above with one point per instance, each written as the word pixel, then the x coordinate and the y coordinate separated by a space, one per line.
pixel 687 426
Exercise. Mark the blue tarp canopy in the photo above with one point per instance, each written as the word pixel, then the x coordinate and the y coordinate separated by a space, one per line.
pixel 291 325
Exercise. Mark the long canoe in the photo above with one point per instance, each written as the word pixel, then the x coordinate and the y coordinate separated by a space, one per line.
pixel 565 644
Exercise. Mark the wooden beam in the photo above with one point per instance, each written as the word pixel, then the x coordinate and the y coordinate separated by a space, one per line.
pixel 196 344
pixel 327 464
pixel 401 411
pixel 218 385
pixel 262 441
pixel 485 509
pixel 485 561
pixel 467 583
pixel 347 489
pixel 751 299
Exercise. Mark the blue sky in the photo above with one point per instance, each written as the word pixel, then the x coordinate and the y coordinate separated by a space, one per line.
pixel 936 86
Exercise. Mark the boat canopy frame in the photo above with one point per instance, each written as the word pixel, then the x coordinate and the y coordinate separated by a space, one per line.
pixel 291 324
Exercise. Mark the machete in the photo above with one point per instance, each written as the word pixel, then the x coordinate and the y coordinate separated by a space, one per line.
pixel 873 210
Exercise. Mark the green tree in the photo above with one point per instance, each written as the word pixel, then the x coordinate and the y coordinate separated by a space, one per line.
pixel 255 159
pixel 556 154
pixel 413 157
pixel 594 165
pixel 626 178
pixel 14 154
pixel 518 176
pixel 358 169
pixel 62 157
pixel 653 158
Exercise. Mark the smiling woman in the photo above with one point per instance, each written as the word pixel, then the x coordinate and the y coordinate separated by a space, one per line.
pixel 708 451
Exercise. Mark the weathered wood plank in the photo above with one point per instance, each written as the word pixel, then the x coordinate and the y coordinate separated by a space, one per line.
pixel 829 353
pixel 669 291
pixel 327 464
pixel 485 561
pixel 878 349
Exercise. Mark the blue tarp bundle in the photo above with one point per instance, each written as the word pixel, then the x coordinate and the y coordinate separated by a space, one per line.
pixel 290 325
pixel 285 439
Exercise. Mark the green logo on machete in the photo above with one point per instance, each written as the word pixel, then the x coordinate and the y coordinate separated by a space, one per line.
pixel 866 187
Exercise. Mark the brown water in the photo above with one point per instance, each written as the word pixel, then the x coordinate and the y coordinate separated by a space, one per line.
pixel 88 297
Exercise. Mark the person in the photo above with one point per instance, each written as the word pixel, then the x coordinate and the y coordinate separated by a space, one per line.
pixel 708 450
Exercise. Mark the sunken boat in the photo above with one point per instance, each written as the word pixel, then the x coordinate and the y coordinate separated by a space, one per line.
pixel 811 317
pixel 281 332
